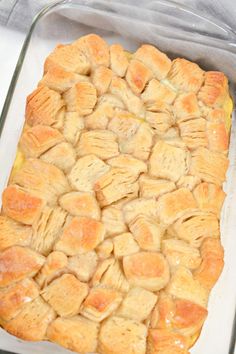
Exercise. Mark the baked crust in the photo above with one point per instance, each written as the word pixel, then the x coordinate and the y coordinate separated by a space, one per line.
pixel 109 229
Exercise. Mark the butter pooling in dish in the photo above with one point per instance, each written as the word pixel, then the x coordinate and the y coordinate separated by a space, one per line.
pixel 109 231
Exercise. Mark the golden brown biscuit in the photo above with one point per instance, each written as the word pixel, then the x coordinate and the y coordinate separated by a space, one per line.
pixel 20 205
pixel 42 179
pixel 157 91
pixel 209 197
pixel 140 207
pixel 81 235
pixel 154 188
pixel 172 206
pixel 83 265
pixel 129 163
pixel 38 139
pixel 161 120
pixel 118 60
pixel 81 204
pixel 188 181
pixel 69 58
pixel 137 304
pixel 81 98
pixel 121 335
pixel 217 135
pixel 43 106
pixel 162 341
pixel 55 264
pixel 124 245
pixel 109 274
pixel 17 263
pixel 186 107
pixel 73 125
pixel 101 143
pixel 193 133
pixel 94 48
pixel 62 156
pixel 168 162
pixel 86 171
pixel 65 295
pixel 75 333
pixel 105 249
pixel 101 303
pixel 124 124
pixel 101 78
pixel 138 75
pixel 212 263
pixel 147 232
pixel 214 90
pixel 58 79
pixel 46 229
pixel 185 75
pixel 15 297
pixel 147 269
pixel 209 166
pixel 32 322
pixel 178 252
pixel 13 233
pixel 154 59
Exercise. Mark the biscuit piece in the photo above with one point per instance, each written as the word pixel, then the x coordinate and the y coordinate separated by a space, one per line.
pixel 13 233
pixel 32 322
pixel 183 285
pixel 154 59
pixel 101 303
pixel 188 181
pixel 209 166
pixel 161 120
pixel 194 227
pixel 113 220
pixel 185 75
pixel 81 98
pixel 22 292
pixel 118 60
pixel 133 103
pixel 38 139
pixel 157 91
pixel 86 171
pixel 168 162
pixel 109 274
pixel 125 245
pixel 172 206
pixel 146 269
pixel 137 298
pixel 65 295
pixel 178 252
pixel 193 133
pixel 55 264
pixel 154 188
pixel 140 207
pixel 105 249
pixel 129 163
pixel 20 205
pixel 212 263
pixel 75 333
pixel 186 107
pixel 101 78
pixel 101 143
pixel 215 89
pixel 209 197
pixel 81 204
pixel 216 130
pixel 147 232
pixel 69 58
pixel 81 235
pixel 73 125
pixel 124 124
pixel 121 335
pixel 18 262
pixel 164 341
pixel 138 75
pixel 95 49
pixel 42 179
pixel 43 106
pixel 62 156
pixel 83 265
pixel 47 229
pixel 116 184
pixel 58 79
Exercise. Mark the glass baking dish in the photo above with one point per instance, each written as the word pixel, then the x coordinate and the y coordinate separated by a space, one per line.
pixel 176 30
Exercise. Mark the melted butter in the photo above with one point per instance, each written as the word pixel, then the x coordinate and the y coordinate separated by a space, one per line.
pixel 228 108
pixel 194 338
pixel 128 55
pixel 18 163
